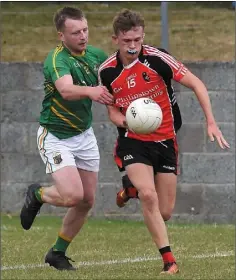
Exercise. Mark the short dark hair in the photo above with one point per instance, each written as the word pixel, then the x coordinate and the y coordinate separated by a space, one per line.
pixel 65 13
pixel 126 20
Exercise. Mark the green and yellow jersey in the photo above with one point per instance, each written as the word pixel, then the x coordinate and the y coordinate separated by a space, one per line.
pixel 61 117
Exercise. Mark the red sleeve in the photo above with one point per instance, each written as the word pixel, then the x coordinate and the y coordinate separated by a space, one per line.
pixel 180 72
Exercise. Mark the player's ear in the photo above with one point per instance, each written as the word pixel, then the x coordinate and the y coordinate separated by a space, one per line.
pixel 60 36
pixel 114 39
pixel 143 35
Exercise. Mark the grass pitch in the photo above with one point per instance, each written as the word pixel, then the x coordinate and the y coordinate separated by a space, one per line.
pixel 197 31
pixel 117 250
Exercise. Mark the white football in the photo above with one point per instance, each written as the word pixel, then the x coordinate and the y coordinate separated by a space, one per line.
pixel 143 116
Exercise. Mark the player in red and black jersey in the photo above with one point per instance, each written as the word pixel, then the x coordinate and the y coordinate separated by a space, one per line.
pixel 150 161
pixel 151 61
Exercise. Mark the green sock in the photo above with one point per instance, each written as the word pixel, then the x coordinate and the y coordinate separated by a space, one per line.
pixel 38 194
pixel 61 244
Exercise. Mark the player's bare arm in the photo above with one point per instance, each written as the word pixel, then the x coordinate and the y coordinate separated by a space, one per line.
pixel 69 91
pixel 116 116
pixel 194 83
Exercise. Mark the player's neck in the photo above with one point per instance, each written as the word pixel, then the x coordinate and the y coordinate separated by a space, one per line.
pixel 127 62
pixel 130 63
pixel 73 52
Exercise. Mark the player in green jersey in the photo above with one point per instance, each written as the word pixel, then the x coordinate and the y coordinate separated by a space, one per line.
pixel 65 139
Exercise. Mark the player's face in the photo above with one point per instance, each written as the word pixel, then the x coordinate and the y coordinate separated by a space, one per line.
pixel 75 35
pixel 129 43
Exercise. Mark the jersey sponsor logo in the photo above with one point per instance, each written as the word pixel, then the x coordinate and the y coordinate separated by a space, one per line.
pixel 132 76
pixel 95 67
pixel 168 167
pixel 147 101
pixel 151 93
pixel 77 64
pixel 86 69
pixel 57 158
pixel 146 77
pixel 116 90
pixel 127 157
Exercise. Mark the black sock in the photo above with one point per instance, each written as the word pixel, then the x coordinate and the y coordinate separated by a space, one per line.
pixel 167 255
pixel 165 250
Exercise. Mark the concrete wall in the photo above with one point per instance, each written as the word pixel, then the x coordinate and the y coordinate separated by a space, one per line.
pixel 206 186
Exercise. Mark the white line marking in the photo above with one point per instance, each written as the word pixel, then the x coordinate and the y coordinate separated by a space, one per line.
pixel 128 260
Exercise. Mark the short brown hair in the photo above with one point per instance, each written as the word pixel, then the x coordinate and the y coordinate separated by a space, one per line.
pixel 126 20
pixel 65 13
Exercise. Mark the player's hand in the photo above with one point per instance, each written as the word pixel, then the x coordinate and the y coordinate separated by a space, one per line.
pixel 125 125
pixel 102 95
pixel 214 132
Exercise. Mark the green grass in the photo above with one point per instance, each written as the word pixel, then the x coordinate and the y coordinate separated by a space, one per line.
pixel 104 240
pixel 197 31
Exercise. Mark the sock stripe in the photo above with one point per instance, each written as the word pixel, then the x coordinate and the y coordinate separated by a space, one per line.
pixel 41 192
pixel 61 235
pixel 38 194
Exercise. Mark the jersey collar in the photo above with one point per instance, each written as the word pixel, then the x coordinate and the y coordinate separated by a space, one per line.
pixel 119 62
pixel 71 53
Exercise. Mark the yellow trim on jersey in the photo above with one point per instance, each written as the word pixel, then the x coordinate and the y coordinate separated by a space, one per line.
pixel 62 107
pixel 64 119
pixel 50 87
pixel 81 54
pixel 56 52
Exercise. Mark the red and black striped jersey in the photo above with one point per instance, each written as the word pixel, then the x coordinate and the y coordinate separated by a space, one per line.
pixel 149 76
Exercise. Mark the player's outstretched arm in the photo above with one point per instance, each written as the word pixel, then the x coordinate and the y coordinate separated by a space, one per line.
pixel 191 81
pixel 69 91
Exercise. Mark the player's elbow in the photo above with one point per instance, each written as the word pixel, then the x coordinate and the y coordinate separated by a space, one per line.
pixel 65 93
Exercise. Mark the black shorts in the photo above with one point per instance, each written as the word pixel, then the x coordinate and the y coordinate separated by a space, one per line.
pixel 162 156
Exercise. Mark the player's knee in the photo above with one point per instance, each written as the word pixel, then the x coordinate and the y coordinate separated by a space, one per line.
pixel 88 204
pixel 85 206
pixel 72 199
pixel 148 196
